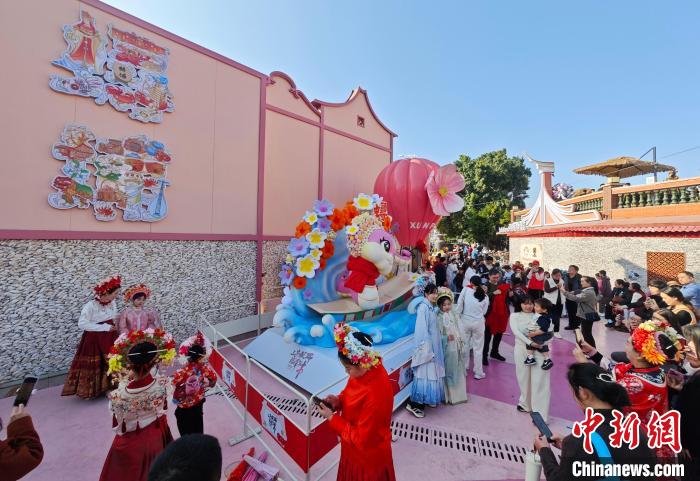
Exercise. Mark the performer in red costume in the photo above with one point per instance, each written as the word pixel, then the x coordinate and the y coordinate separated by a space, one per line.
pixel 651 345
pixel 362 415
pixel 138 405
pixel 496 317
pixel 88 377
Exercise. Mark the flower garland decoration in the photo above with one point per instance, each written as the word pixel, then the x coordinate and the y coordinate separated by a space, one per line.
pixel 645 340
pixel 198 339
pixel 350 347
pixel 118 355
pixel 108 285
pixel 134 289
pixel 312 244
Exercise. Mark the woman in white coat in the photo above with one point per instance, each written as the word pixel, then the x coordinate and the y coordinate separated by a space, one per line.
pixel 534 384
pixel 471 309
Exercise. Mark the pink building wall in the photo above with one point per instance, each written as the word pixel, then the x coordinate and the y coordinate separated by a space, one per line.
pixel 250 151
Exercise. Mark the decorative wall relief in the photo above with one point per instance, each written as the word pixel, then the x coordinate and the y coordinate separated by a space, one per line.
pixel 131 75
pixel 110 175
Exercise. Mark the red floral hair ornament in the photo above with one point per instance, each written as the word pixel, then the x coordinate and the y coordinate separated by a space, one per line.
pixel 352 349
pixel 108 285
pixel 646 341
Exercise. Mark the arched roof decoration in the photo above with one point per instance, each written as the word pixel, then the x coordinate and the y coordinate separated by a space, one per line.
pixel 358 92
pixel 296 93
pixel 548 212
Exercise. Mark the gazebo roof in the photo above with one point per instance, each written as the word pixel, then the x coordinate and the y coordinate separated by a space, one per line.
pixel 623 167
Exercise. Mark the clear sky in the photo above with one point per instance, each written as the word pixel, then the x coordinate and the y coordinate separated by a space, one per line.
pixel 575 82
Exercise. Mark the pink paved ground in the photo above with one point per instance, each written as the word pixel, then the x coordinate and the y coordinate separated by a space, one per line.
pixel 77 434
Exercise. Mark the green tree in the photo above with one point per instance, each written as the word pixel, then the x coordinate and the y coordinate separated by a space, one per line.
pixel 495 184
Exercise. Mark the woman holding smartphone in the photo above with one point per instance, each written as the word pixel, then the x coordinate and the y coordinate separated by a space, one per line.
pixel 594 388
pixel 361 414
pixel 587 302
pixel 687 402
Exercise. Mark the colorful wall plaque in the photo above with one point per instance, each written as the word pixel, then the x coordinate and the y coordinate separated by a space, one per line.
pixel 130 75
pixel 110 175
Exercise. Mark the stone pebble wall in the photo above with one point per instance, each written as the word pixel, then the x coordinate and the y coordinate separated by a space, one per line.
pixel 616 255
pixel 44 284
pixel 274 253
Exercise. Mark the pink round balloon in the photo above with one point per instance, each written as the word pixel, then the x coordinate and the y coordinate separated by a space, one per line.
pixel 402 185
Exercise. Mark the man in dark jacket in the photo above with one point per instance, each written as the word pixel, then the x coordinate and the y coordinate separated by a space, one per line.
pixel 572 281
pixel 440 270
pixel 605 290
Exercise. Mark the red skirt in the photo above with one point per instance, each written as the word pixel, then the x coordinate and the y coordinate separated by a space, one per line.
pixel 354 467
pixel 88 377
pixel 131 454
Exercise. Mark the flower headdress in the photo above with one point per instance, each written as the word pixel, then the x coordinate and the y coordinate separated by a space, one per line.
pixel 119 354
pixel 422 281
pixel 198 339
pixel 136 289
pixel 108 285
pixel 445 292
pixel 354 350
pixel 646 340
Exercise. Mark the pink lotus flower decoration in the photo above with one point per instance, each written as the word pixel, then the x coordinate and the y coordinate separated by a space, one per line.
pixel 442 187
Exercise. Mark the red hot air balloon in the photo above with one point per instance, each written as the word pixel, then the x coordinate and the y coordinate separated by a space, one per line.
pixel 402 184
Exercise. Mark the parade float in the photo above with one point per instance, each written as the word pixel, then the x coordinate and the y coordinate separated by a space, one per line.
pixel 353 263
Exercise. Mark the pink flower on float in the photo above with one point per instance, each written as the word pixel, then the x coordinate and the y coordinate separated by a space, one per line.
pixel 442 188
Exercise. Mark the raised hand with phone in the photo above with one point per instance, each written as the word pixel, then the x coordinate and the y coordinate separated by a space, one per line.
pixel 22 451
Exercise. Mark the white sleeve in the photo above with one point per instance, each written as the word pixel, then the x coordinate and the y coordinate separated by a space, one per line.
pixel 484 305
pixel 421 333
pixel 460 303
pixel 85 321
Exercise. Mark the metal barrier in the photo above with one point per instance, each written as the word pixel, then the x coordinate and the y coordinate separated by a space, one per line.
pixel 246 391
pixel 316 440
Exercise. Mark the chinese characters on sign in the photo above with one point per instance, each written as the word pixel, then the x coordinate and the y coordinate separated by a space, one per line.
pixel 131 75
pixel 298 360
pixel 111 174
pixel 273 422
pixel 228 376
pixel 662 430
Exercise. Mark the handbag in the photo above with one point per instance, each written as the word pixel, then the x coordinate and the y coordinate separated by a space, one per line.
pixel 590 316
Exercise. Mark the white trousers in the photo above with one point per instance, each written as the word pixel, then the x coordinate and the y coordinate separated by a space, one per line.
pixel 534 385
pixel 474 341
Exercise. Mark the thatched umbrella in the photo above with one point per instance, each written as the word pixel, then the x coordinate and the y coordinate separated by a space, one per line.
pixel 622 167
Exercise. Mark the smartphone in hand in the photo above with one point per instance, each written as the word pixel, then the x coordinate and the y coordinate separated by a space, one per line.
pixel 25 391
pixel 541 426
pixel 317 400
pixel 579 336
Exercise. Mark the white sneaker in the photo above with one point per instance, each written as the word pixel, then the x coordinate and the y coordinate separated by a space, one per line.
pixel 479 376
pixel 557 335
